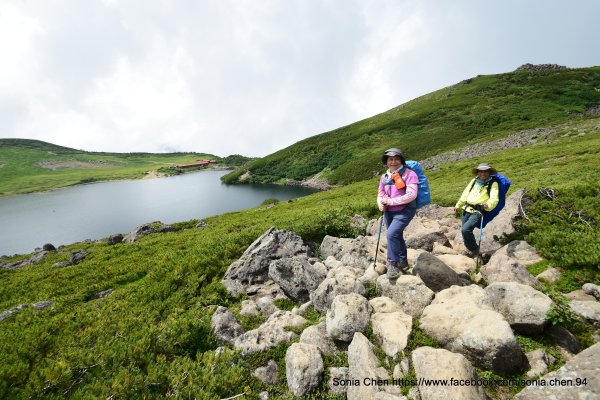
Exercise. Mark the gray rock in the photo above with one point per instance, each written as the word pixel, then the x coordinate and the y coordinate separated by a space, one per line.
pixel 40 305
pixel 434 273
pixel 589 310
pixel 317 335
pixel 523 307
pixel 338 380
pixel 521 252
pixel 550 275
pixel 392 331
pixel 37 257
pixel 349 313
pixel 114 239
pixel 62 264
pixel 296 276
pixel 538 361
pixel 464 266
pixel 561 337
pixel 426 241
pixel 579 295
pixel 77 256
pixel 584 366
pixel 502 268
pixel 269 374
pixel 383 305
pixel 100 295
pixel 355 253
pixel 592 289
pixel 502 224
pixel 430 363
pixel 48 247
pixel 12 311
pixel 462 319
pixel 249 308
pixel 303 368
pixel 253 266
pixel 270 334
pixel 147 229
pixel 363 364
pixel 342 281
pixel 225 326
pixel 409 292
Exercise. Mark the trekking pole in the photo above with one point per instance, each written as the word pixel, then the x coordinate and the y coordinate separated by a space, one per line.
pixel 480 238
pixel 378 236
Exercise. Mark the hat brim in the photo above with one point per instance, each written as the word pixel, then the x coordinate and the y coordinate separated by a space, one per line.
pixel 492 170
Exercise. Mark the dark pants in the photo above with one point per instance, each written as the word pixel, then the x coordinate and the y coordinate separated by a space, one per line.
pixel 396 221
pixel 470 221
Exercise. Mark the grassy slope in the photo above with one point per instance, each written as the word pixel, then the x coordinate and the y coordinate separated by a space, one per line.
pixel 150 338
pixel 20 171
pixel 483 108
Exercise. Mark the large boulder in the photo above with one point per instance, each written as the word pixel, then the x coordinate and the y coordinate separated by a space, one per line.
pixel 589 310
pixel 269 334
pixel 432 364
pixel 502 224
pixel 317 335
pixel 339 281
pixel 296 276
pixel 303 368
pixel 464 266
pixel 253 266
pixel 355 253
pixel 392 331
pixel 523 307
pixel 502 268
pixel 225 326
pixel 349 313
pixel 434 273
pixel 463 320
pixel 520 251
pixel 363 364
pixel 409 292
pixel 423 233
pixel 577 379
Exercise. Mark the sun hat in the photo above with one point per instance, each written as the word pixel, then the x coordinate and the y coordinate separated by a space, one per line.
pixel 394 151
pixel 484 167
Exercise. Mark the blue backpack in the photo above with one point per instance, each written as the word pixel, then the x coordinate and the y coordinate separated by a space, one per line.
pixel 423 193
pixel 503 186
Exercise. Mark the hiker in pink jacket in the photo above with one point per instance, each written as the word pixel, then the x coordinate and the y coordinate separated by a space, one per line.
pixel 396 198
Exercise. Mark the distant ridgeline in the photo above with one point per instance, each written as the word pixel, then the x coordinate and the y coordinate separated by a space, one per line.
pixel 475 111
pixel 32 165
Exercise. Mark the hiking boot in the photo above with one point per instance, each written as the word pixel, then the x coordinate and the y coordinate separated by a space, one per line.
pixel 393 270
pixel 473 253
pixel 403 265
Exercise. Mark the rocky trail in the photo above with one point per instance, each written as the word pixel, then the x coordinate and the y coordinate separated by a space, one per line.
pixel 472 311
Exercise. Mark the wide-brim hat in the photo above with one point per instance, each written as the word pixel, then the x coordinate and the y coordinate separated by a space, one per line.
pixel 484 167
pixel 394 151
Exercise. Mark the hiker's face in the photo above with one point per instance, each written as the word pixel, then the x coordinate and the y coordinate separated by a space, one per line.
pixel 394 162
pixel 483 175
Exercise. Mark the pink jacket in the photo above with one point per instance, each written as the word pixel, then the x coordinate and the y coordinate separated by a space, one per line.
pixel 397 199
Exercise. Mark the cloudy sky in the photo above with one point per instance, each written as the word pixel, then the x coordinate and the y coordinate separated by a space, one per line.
pixel 254 76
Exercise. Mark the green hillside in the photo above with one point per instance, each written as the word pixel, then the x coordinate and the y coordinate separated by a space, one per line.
pixel 475 110
pixel 32 165
pixel 151 337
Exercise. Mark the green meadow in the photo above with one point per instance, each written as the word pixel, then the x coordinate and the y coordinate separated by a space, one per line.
pixel 151 337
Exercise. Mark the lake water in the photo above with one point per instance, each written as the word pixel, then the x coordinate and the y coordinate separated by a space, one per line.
pixel 99 210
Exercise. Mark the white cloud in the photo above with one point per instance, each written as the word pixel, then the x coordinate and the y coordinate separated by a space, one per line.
pixel 251 77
